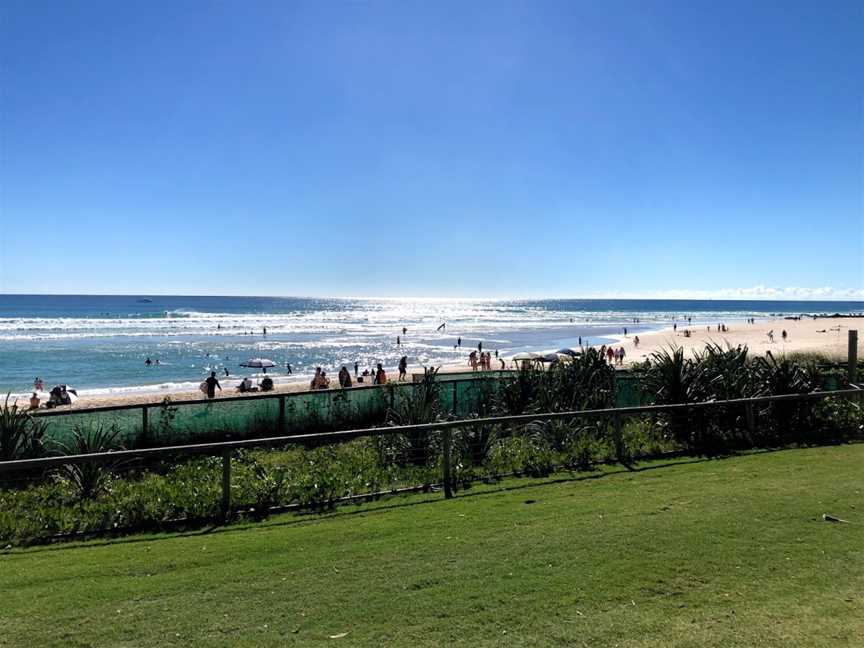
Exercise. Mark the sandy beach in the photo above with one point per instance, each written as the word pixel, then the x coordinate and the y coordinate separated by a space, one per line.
pixel 826 335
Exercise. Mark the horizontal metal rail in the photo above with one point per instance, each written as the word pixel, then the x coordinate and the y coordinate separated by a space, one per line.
pixel 223 446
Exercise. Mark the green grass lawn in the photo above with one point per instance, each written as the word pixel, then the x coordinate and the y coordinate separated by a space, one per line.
pixel 730 552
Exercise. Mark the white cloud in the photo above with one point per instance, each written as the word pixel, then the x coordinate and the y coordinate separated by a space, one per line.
pixel 826 293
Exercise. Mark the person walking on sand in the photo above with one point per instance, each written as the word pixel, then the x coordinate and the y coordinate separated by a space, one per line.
pixel 636 342
pixel 212 383
pixel 380 375
pixel 472 360
pixel 403 367
pixel 784 335
pixel 675 327
pixel 344 377
pixel 770 335
pixel 610 354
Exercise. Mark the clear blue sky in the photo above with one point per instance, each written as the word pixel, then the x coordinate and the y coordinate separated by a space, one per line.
pixel 432 148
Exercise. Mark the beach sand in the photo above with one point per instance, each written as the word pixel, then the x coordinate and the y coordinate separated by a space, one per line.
pixel 824 335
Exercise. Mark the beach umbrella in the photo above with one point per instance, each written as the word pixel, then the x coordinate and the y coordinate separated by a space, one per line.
pixel 258 363
pixel 528 356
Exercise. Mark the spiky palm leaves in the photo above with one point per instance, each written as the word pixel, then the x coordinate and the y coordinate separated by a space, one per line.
pixel 21 435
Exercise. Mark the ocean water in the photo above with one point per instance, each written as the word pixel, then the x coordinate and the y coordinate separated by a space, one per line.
pixel 99 344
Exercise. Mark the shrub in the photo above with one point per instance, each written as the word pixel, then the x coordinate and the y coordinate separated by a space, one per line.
pixel 89 479
pixel 21 435
pixel 527 454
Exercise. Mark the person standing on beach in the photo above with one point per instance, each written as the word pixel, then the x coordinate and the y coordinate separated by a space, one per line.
pixel 403 367
pixel 636 342
pixel 398 341
pixel 356 369
pixel 675 327
pixel 625 331
pixel 380 375
pixel 212 384
pixel 784 335
pixel 344 377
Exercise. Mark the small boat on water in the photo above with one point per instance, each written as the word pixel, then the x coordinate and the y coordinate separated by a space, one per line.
pixel 144 300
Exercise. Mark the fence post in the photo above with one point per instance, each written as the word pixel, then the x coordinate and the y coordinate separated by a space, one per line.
pixel 852 369
pixel 281 414
pixel 145 424
pixel 617 437
pixel 454 397
pixel 751 418
pixel 226 485
pixel 448 488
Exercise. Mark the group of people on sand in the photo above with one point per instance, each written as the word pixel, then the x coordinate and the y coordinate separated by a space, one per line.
pixel 482 360
pixel 613 356
pixel 783 334
pixel 376 376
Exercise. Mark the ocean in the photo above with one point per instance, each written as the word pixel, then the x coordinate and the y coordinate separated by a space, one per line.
pixel 99 344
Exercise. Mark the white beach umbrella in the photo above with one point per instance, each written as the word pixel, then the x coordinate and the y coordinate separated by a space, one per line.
pixel 527 355
pixel 258 363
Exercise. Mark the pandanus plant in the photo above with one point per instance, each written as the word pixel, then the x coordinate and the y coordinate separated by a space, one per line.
pixel 21 434
pixel 674 379
pixel 788 420
pixel 90 479
pixel 423 405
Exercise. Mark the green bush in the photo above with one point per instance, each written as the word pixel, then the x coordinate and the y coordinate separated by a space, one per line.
pixel 527 454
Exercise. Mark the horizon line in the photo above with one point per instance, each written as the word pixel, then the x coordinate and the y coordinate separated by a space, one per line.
pixel 612 297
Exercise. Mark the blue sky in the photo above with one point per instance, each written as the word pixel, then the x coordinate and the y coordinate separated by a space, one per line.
pixel 490 149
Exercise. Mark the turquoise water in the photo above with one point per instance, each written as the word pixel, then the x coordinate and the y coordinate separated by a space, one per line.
pixel 98 344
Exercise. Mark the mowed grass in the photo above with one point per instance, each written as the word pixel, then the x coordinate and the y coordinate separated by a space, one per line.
pixel 730 552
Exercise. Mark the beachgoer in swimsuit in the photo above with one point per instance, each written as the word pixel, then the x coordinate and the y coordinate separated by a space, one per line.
pixel 212 384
